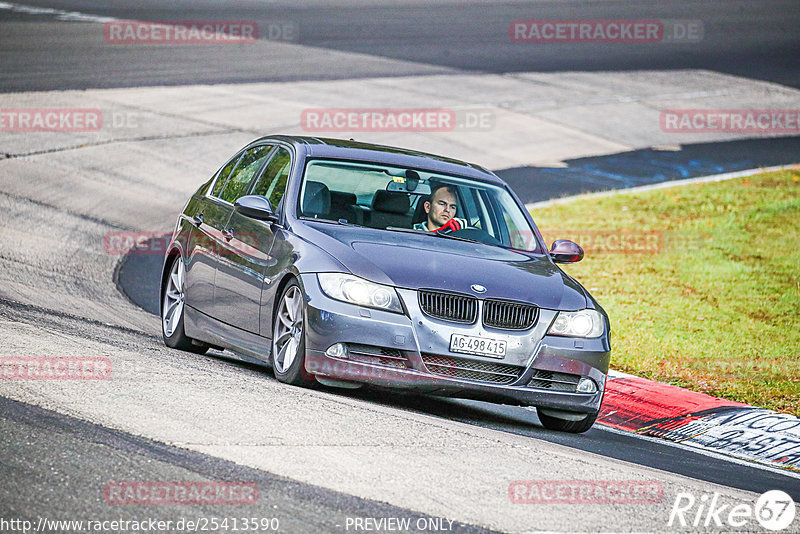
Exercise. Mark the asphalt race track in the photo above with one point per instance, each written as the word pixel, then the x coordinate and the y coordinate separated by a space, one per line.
pixel 566 119
pixel 116 455
pixel 384 38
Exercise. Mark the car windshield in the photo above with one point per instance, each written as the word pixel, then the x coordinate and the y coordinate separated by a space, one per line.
pixel 395 198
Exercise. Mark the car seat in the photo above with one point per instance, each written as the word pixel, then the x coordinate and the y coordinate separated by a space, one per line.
pixel 390 208
pixel 317 200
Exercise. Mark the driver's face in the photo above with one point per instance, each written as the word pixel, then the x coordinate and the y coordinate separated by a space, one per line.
pixel 441 208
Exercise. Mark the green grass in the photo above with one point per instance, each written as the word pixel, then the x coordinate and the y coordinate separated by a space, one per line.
pixel 714 305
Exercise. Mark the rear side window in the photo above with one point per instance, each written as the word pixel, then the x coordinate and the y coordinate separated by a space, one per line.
pixel 272 182
pixel 239 180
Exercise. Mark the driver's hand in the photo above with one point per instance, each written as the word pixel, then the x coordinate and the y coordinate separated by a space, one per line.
pixel 450 226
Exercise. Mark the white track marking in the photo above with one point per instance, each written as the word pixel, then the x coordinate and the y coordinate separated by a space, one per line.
pixel 59 14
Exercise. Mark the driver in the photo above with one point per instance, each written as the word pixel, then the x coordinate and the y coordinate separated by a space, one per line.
pixel 441 210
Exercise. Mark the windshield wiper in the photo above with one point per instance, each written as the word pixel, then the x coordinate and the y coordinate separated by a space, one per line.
pixel 343 222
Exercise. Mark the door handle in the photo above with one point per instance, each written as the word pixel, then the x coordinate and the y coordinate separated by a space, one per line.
pixel 227 234
pixel 198 219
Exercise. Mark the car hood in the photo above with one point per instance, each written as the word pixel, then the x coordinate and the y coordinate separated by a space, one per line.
pixel 416 261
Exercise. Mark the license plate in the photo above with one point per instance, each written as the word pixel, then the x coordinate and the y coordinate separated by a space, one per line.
pixel 483 346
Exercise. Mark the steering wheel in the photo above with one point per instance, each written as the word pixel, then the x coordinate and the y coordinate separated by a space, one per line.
pixel 473 234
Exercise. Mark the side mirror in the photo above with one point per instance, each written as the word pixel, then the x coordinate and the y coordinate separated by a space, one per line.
pixel 565 251
pixel 255 207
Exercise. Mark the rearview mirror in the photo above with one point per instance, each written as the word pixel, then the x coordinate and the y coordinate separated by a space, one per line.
pixel 402 186
pixel 566 251
pixel 255 207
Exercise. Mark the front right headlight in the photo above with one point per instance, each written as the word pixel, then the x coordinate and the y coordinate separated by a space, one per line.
pixel 355 290
pixel 583 323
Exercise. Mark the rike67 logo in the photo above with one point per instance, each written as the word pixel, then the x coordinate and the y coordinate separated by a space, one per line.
pixel 774 510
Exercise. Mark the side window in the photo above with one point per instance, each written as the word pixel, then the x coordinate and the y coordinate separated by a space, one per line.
pixel 272 183
pixel 223 175
pixel 243 173
pixel 521 238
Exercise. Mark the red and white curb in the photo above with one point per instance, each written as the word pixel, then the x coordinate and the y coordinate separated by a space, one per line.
pixel 659 410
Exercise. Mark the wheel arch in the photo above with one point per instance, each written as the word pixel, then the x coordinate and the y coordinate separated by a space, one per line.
pixel 287 278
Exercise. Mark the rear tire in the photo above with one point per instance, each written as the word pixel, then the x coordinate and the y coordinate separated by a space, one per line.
pixel 172 310
pixel 566 425
pixel 289 338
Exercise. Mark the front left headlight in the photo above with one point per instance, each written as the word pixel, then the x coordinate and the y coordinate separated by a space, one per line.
pixel 355 290
pixel 583 323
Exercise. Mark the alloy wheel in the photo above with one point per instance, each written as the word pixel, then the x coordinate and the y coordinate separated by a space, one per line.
pixel 172 307
pixel 288 333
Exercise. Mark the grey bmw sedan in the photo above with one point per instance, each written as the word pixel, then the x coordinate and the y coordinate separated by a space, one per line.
pixel 346 263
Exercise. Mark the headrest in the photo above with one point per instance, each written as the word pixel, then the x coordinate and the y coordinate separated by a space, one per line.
pixel 340 198
pixel 317 199
pixel 391 202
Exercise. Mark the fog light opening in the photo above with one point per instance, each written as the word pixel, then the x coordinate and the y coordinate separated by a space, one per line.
pixel 337 350
pixel 587 385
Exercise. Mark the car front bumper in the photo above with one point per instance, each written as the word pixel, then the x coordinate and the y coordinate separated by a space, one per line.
pixel 411 352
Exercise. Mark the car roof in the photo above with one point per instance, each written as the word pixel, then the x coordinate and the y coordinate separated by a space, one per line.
pixel 356 150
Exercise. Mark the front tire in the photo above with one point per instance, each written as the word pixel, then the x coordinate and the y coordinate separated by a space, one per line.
pixel 567 425
pixel 289 338
pixel 172 310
